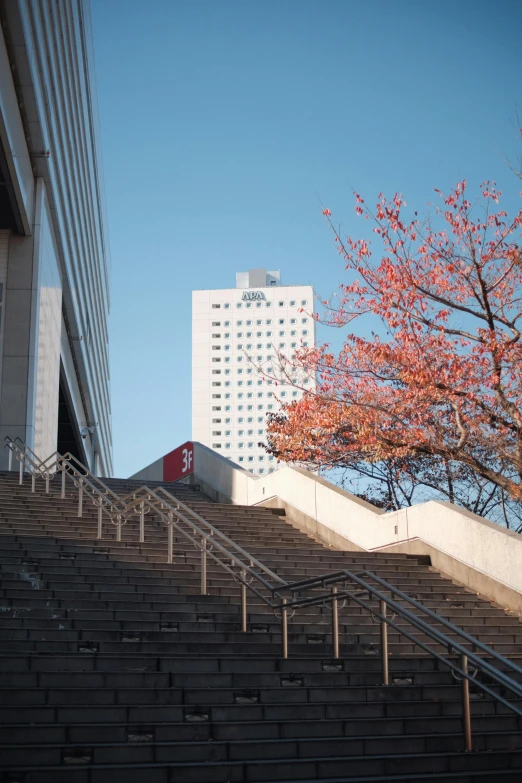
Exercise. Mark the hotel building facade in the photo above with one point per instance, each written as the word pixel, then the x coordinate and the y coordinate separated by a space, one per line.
pixel 240 339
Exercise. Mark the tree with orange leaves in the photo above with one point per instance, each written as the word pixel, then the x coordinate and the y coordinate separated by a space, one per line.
pixel 443 378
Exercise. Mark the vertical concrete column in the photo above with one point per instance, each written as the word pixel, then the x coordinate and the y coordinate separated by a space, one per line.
pixel 18 364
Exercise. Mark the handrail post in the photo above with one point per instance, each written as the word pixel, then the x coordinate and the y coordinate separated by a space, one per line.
pixel 170 541
pixel 142 522
pixel 284 627
pixel 384 644
pixel 21 476
pixel 203 566
pixel 63 481
pixel 46 482
pixel 118 529
pixel 243 602
pixel 33 481
pixel 80 498
pixel 466 712
pixel 10 458
pixel 100 521
pixel 335 623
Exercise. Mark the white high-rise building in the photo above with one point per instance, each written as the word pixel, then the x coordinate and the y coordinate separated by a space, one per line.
pixel 238 338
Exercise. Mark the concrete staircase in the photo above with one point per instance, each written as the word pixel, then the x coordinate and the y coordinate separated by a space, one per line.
pixel 114 668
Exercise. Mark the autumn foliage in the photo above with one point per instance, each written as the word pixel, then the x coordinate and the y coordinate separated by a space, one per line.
pixel 441 373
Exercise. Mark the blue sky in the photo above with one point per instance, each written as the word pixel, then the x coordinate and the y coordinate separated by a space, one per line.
pixel 226 123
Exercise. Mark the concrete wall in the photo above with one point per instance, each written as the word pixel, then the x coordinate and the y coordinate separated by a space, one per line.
pixel 468 548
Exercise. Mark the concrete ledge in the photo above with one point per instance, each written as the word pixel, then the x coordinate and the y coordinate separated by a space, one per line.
pixel 475 552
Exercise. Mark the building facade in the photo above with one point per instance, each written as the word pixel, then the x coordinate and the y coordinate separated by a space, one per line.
pixel 241 338
pixel 54 288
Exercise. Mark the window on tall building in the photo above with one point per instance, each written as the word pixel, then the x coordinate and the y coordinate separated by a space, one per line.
pixel 227 408
pixel 260 394
pixel 227 335
pixel 270 407
pixel 249 407
pixel 240 383
pixel 216 421
pixel 216 306
pixel 249 334
pixel 293 320
pixel 250 459
pixel 227 359
pixel 281 345
pixel 216 396
pixel 250 419
pixel 305 331
pixel 283 394
pixel 268 321
pixel 281 320
pixel 269 334
pixel 227 421
pixel 227 396
pixel 216 323
pixel 216 372
pixel 304 320
pixel 250 445
pixel 249 383
pixel 261 471
pixel 241 459
pixel 216 383
pixel 258 323
pixel 227 445
pixel 249 323
pixel 294 394
pixel 216 445
pixel 240 420
pixel 259 407
pixel 240 396
pixel 227 306
pixel 249 395
pixel 259 304
pixel 227 372
pixel 250 432
pixel 269 304
pixel 240 432
pixel 260 382
pixel 292 303
pixel 260 432
pixel 227 323
pixel 240 445
pixel 259 419
pixel 248 304
pixel 282 333
pixel 281 304
pixel 304 302
pixel 216 432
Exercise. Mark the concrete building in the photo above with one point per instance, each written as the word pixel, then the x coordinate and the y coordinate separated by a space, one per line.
pixel 54 290
pixel 240 336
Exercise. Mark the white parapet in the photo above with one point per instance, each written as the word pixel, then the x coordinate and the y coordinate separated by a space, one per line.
pixel 480 554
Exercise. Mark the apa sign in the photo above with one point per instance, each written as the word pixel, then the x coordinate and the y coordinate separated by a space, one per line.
pixel 179 463
pixel 250 295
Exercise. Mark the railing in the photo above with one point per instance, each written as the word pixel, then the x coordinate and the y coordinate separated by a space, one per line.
pixel 281 596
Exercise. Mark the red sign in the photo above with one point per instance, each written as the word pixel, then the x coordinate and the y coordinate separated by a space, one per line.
pixel 179 463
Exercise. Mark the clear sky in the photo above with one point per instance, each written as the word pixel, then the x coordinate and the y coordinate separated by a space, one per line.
pixel 226 123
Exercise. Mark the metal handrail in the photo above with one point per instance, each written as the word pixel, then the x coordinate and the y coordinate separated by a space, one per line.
pixel 212 542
